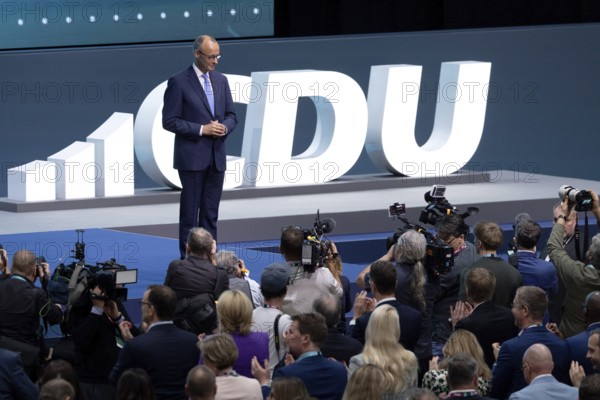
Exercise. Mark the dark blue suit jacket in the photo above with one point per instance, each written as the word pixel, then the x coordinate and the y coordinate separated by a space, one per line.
pixel 167 353
pixel 186 109
pixel 410 324
pixel 14 382
pixel 578 347
pixel 507 375
pixel 325 379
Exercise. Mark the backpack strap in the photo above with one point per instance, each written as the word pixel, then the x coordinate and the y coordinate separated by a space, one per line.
pixel 276 332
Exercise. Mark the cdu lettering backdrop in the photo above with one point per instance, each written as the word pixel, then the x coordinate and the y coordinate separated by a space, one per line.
pixel 539 114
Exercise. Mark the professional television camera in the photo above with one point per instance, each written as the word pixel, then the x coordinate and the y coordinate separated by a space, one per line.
pixel 582 198
pixel 70 281
pixel 439 257
pixel 438 207
pixel 316 248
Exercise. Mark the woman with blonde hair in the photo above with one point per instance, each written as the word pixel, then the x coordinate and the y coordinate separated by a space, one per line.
pixel 461 341
pixel 366 383
pixel 234 311
pixel 382 348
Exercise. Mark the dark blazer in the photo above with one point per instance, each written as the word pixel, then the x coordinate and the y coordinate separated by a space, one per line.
pixel 507 375
pixel 490 323
pixel 410 324
pixel 578 347
pixel 193 276
pixel 14 382
pixel 186 109
pixel 325 379
pixel 167 353
pixel 340 347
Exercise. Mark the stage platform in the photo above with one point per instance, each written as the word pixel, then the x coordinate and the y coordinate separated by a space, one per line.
pixel 358 204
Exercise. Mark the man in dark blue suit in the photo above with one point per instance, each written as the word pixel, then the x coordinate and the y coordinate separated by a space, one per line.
pixel 14 382
pixel 529 305
pixel 166 352
pixel 578 344
pixel 383 284
pixel 198 108
pixel 325 379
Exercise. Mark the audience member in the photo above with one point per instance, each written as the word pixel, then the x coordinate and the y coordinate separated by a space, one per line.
pixel 14 382
pixel 463 377
pixel 419 394
pixel 489 322
pixel 57 389
pixel 534 271
pixel 590 388
pixel 399 366
pixel 4 267
pixel 453 231
pixel 201 384
pixel 288 388
pixel 196 277
pixel 579 278
pixel 325 379
pixel 488 238
pixel 537 371
pixel 529 305
pixel 235 318
pixel 219 353
pixel 383 285
pixel 460 342
pixel 136 384
pixel 335 264
pixel 578 344
pixel 273 286
pixel 64 370
pixel 238 280
pixel 165 352
pixel 367 382
pixel 21 306
pixel 337 345
pixel 576 372
pixel 306 281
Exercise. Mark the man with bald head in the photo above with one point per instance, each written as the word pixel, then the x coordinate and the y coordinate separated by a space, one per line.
pixel 537 370
pixel 578 344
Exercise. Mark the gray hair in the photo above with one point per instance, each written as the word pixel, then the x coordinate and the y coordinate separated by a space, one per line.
pixel 593 253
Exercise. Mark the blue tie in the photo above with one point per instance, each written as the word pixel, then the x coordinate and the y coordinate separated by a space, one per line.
pixel 209 93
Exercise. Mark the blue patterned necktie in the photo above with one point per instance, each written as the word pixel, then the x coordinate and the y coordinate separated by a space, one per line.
pixel 209 93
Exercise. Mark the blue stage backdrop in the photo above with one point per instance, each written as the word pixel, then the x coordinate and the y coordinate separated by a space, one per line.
pixel 543 99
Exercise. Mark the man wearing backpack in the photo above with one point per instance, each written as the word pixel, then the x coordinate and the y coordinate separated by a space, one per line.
pixel 197 282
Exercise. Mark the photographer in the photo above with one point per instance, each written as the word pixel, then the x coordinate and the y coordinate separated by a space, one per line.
pixel 579 278
pixel 306 282
pixel 22 304
pixel 453 231
pixel 95 320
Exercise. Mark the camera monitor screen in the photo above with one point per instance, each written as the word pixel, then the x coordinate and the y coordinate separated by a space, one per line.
pixel 126 276
pixel 28 24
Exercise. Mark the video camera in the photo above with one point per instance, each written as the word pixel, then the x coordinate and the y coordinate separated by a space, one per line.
pixel 316 247
pixel 439 257
pixel 582 198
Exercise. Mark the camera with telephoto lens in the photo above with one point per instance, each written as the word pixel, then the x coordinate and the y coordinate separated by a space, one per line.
pixel 316 248
pixel 582 198
pixel 439 257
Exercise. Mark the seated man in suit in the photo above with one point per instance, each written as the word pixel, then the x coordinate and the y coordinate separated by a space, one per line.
pixel 578 344
pixel 489 322
pixel 537 371
pixel 529 305
pixel 462 377
pixel 576 371
pixel 200 383
pixel 325 379
pixel 383 285
pixel 165 352
pixel 337 345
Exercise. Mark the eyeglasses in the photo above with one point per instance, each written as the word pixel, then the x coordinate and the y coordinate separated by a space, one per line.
pixel 145 303
pixel 513 305
pixel 212 58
